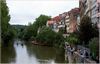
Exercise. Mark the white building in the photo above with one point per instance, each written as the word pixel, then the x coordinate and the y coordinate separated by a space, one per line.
pixel 95 11
pixel 92 9
pixel 67 21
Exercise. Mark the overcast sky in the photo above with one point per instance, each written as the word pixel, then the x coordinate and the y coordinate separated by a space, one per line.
pixel 24 11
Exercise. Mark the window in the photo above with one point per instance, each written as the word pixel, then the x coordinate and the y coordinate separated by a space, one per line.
pixel 94 10
pixel 98 7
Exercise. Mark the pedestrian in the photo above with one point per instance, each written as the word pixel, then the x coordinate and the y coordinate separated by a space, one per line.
pixel 68 48
pixel 85 53
pixel 21 44
pixel 17 44
pixel 72 50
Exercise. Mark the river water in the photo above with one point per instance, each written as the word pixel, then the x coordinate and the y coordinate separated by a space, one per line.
pixel 31 54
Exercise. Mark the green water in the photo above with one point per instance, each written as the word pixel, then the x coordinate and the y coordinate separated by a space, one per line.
pixel 31 54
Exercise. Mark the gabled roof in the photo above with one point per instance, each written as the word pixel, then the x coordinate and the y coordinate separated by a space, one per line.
pixel 57 18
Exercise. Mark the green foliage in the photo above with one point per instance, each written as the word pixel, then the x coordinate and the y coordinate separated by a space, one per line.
pixel 29 32
pixel 46 35
pixel 7 32
pixel 49 37
pixel 41 20
pixel 72 39
pixel 19 30
pixel 32 29
pixel 95 30
pixel 5 17
pixel 59 40
pixel 94 46
pixel 86 29
pixel 62 30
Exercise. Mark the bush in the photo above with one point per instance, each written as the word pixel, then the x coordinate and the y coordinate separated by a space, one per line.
pixel 94 47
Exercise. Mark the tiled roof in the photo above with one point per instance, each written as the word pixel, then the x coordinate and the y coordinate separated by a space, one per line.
pixel 74 11
pixel 57 18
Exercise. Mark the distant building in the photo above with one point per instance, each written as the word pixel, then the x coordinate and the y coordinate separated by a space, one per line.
pixel 53 23
pixel 66 22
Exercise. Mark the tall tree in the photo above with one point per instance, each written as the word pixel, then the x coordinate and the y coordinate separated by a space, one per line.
pixel 86 30
pixel 41 20
pixel 7 32
pixel 5 17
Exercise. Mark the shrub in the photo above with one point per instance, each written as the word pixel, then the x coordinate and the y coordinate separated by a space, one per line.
pixel 94 47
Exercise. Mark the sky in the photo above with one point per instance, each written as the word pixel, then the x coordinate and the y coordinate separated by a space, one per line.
pixel 23 12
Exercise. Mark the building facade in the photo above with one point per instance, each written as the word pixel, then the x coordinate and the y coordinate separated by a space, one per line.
pixel 90 8
pixel 65 22
pixel 73 15
pixel 95 11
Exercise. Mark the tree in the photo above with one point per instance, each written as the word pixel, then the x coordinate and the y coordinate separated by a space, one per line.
pixel 49 37
pixel 28 32
pixel 46 35
pixel 7 32
pixel 32 29
pixel 86 30
pixel 5 17
pixel 42 20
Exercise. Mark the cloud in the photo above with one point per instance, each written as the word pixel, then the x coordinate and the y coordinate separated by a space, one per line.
pixel 26 11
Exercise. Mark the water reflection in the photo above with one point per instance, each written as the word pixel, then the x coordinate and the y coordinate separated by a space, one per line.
pixel 22 53
pixel 8 54
pixel 46 54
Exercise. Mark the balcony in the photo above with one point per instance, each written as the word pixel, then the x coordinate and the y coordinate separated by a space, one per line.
pixel 61 26
pixel 67 23
pixel 67 20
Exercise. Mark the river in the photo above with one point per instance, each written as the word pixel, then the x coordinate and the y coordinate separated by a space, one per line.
pixel 31 54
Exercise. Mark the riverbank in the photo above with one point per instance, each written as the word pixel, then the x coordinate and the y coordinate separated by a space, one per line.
pixel 41 44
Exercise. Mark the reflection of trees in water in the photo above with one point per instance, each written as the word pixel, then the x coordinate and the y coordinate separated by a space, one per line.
pixel 46 53
pixel 43 53
pixel 60 56
pixel 29 49
pixel 8 54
